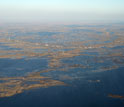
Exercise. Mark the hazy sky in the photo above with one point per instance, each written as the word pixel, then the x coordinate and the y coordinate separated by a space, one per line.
pixel 61 10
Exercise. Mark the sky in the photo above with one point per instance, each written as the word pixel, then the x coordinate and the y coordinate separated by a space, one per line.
pixel 61 10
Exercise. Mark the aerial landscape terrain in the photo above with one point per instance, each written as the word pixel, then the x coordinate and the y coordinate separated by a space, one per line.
pixel 61 53
pixel 62 64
